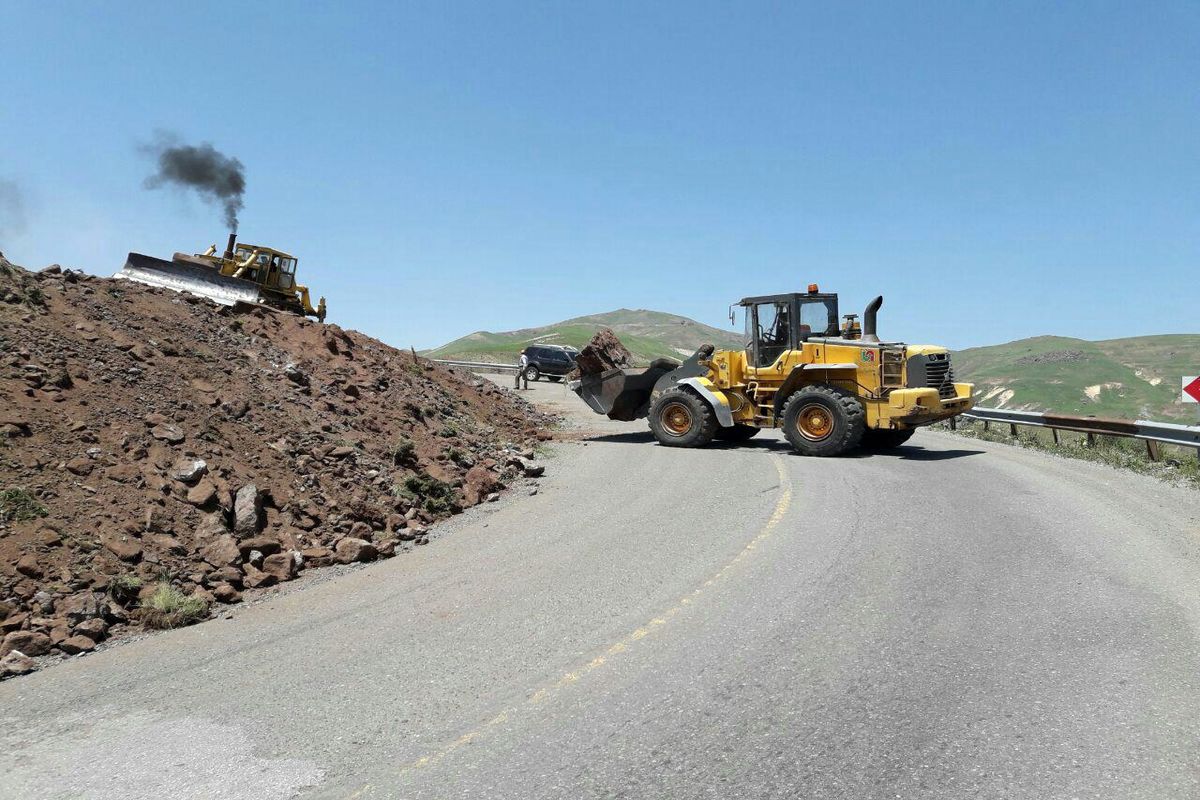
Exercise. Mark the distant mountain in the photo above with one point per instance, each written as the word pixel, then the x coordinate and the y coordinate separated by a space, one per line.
pixel 647 334
pixel 1135 378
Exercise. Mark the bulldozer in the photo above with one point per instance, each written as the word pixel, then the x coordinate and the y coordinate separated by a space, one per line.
pixel 830 383
pixel 244 273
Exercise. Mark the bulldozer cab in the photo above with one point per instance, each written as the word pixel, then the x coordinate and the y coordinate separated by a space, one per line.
pixel 778 323
pixel 272 269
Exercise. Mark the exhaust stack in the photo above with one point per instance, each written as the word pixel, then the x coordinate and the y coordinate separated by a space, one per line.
pixel 229 247
pixel 868 325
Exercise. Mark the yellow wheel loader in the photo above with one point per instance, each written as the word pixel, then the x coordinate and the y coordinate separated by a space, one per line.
pixel 245 273
pixel 830 388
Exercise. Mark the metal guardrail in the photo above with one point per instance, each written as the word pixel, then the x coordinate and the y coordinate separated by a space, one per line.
pixel 1152 433
pixel 479 366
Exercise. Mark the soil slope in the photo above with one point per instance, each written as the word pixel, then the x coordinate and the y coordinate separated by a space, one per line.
pixel 159 454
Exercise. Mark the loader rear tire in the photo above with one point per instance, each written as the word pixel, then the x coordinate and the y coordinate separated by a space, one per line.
pixel 823 420
pixel 737 433
pixel 883 439
pixel 679 418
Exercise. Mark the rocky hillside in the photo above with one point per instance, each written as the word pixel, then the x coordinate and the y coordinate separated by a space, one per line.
pixel 1136 378
pixel 647 334
pixel 159 455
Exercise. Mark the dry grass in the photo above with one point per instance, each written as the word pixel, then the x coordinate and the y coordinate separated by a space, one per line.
pixel 170 608
pixel 18 505
pixel 1176 464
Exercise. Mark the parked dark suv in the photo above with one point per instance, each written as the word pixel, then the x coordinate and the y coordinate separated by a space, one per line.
pixel 552 360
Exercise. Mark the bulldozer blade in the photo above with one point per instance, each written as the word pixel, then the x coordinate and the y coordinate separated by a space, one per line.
pixel 181 276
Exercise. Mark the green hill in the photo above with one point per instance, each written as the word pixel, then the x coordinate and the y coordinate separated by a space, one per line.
pixel 647 334
pixel 1135 378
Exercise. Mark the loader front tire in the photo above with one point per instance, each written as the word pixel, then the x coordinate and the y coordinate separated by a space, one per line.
pixel 679 418
pixel 823 420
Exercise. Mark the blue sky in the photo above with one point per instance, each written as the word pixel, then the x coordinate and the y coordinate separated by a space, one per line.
pixel 995 170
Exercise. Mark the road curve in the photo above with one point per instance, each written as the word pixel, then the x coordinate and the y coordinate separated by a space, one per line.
pixel 960 619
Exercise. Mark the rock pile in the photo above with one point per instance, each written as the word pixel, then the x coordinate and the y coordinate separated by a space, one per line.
pixel 159 455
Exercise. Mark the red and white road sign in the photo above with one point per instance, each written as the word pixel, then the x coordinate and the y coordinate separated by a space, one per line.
pixel 1191 388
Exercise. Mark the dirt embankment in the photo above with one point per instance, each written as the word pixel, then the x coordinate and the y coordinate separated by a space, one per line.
pixel 159 455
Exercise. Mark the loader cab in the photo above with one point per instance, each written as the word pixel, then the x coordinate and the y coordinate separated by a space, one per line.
pixel 778 323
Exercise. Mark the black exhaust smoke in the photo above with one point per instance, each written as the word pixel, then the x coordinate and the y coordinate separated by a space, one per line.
pixel 868 325
pixel 216 177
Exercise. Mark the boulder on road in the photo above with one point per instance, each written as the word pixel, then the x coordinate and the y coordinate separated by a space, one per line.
pixel 256 578
pixel 281 565
pixel 76 644
pixel 349 550
pixel 16 663
pixel 226 593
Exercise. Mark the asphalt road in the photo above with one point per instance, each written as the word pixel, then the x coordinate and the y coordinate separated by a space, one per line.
pixel 958 620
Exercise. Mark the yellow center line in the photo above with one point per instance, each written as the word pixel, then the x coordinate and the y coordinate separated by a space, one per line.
pixel 626 643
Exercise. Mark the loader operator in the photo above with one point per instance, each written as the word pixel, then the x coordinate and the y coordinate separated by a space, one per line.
pixel 775 342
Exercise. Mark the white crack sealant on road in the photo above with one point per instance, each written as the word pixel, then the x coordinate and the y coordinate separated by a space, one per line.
pixel 142 757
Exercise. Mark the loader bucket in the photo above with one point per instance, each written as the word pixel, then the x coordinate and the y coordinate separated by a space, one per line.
pixel 181 276
pixel 622 394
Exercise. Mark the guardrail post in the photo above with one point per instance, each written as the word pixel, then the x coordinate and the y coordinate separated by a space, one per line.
pixel 1152 449
pixel 986 427
pixel 1054 433
pixel 1012 429
pixel 953 423
pixel 1091 440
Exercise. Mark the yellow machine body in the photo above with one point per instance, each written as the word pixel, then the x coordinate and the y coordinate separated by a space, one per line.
pixel 245 274
pixel 876 373
pixel 831 385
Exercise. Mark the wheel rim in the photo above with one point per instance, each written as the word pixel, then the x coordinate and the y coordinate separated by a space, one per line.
pixel 815 422
pixel 676 419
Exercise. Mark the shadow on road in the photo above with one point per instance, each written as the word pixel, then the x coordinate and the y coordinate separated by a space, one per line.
pixel 921 454
pixel 906 453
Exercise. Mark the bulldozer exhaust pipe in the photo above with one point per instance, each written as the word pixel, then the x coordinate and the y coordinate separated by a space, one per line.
pixel 868 324
pixel 229 247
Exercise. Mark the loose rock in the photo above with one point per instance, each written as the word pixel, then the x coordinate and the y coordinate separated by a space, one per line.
pixel 349 550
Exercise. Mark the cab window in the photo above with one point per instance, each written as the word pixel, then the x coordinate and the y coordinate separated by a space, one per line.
pixel 287 270
pixel 772 333
pixel 818 318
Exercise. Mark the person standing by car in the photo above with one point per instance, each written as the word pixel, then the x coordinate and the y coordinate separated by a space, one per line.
pixel 521 365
